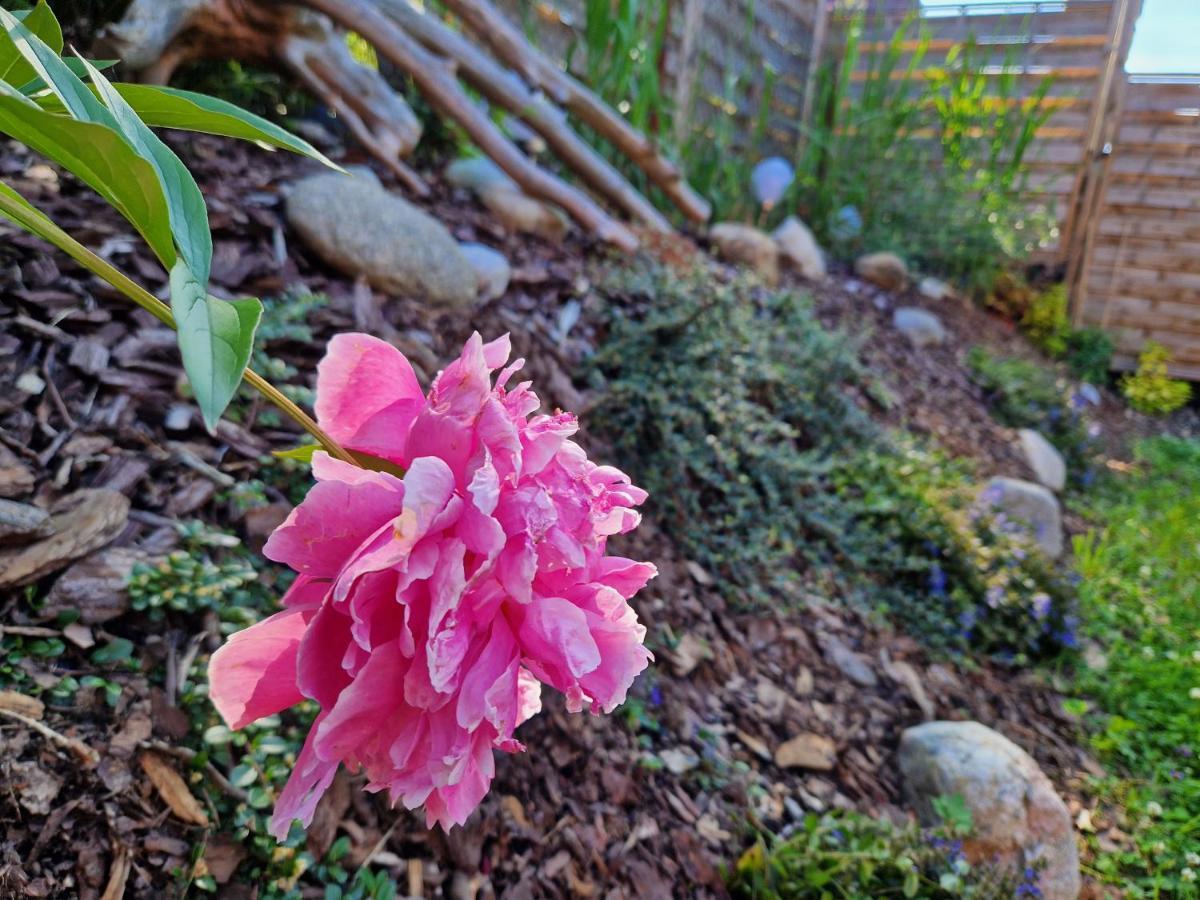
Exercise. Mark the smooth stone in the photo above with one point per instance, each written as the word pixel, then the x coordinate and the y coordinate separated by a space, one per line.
pixel 748 246
pixel 492 271
pixel 360 228
pixel 1045 460
pixel 920 326
pixel 1017 816
pixel 800 249
pixel 1031 503
pixel 887 270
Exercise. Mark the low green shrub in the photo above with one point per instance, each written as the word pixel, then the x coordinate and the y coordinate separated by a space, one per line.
pixel 1151 389
pixel 1046 321
pixel 1023 394
pixel 849 855
pixel 1140 600
pixel 1089 354
pixel 741 415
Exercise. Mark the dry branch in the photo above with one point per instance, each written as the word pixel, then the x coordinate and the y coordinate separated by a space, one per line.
pixel 506 90
pixel 541 72
pixel 435 79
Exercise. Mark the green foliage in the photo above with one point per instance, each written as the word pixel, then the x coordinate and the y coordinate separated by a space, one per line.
pixel 765 469
pixel 1140 597
pixel 98 133
pixel 850 855
pixel 1046 321
pixel 207 573
pixel 1023 394
pixel 1089 354
pixel 929 164
pixel 1151 389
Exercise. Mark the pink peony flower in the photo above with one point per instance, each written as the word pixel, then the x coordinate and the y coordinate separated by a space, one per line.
pixel 429 609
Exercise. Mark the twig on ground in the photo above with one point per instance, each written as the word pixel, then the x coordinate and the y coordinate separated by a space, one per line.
pixel 86 754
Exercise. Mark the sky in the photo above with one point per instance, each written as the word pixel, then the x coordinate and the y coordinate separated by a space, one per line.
pixel 1166 40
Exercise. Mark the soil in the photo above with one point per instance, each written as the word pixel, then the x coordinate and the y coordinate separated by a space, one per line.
pixel 590 811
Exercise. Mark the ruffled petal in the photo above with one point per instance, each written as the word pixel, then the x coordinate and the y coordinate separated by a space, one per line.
pixel 253 674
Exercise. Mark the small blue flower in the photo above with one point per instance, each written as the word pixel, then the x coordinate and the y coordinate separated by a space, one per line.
pixel 656 697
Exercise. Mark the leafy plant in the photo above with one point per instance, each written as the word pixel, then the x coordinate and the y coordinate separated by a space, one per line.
pixel 1022 394
pixel 1089 354
pixel 1140 599
pixel 850 855
pixel 773 478
pixel 928 161
pixel 1046 321
pixel 101 133
pixel 1151 389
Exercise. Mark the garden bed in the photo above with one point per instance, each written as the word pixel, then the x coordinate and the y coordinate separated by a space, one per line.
pixel 649 802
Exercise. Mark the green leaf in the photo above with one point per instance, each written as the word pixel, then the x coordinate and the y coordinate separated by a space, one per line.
pixel 116 650
pixel 77 68
pixel 302 454
pixel 39 21
pixel 50 67
pixel 215 338
pixel 99 157
pixel 166 107
pixel 189 215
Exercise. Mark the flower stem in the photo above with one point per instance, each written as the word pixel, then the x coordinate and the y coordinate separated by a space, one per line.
pixel 46 229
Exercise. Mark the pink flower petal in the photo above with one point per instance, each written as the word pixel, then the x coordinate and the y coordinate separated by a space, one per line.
pixel 253 674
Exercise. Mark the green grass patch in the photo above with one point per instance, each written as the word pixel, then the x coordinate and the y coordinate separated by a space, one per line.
pixel 1140 598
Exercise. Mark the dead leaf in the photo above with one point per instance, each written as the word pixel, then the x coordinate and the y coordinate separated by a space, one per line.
pixel 514 808
pixel 689 653
pixel 136 729
pixel 173 789
pixel 807 750
pixel 222 856
pixel 36 788
pixel 79 635
pixel 29 707
pixel 117 876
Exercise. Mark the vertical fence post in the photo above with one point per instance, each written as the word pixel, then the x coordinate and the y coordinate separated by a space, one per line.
pixel 1079 228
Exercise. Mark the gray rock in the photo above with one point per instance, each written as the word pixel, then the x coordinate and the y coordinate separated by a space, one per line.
pixel 492 270
pixel 1045 460
pixel 853 665
pixel 476 174
pixel 800 249
pixel 920 326
pixel 359 228
pixel 1016 814
pixel 517 211
pixel 887 270
pixel 936 289
pixel 749 246
pixel 1032 504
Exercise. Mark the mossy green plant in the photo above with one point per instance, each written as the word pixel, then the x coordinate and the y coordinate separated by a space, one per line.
pixel 1151 389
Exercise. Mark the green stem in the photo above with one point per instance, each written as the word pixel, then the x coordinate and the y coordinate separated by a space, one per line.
pixel 33 220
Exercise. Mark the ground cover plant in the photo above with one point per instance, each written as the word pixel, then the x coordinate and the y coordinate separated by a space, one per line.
pixel 849 855
pixel 1150 389
pixel 1140 601
pixel 774 477
pixel 1024 394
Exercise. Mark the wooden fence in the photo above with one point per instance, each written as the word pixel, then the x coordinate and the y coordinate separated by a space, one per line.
pixel 1139 271
pixel 738 58
pixel 1118 161
pixel 1079 44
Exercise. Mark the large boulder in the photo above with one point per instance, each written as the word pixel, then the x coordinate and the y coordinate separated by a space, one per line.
pixel 1017 817
pixel 800 249
pixel 920 326
pixel 492 271
pixel 887 270
pixel 1032 504
pixel 1045 460
pixel 749 246
pixel 359 228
